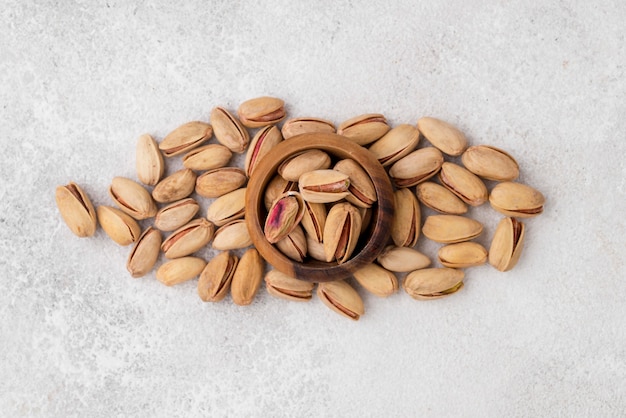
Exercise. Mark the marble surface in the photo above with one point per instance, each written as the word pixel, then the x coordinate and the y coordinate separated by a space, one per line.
pixel 80 81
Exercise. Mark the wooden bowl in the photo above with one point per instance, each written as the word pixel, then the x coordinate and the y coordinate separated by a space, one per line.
pixel 371 242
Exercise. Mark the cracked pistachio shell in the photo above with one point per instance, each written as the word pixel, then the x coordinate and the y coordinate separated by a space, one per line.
pixel 366 217
pixel 340 297
pixel 442 135
pixel 176 214
pixel 185 138
pixel 228 130
pixel 261 144
pixel 232 236
pixel 280 285
pixel 76 210
pixel 450 229
pixel 207 157
pixel 180 270
pixel 364 129
pixel 516 199
pixel 440 199
pixel 377 280
pixel 188 239
pixel 507 244
pixel 298 126
pixel 314 220
pixel 276 187
pixel 145 253
pixel 284 215
pixel 324 186
pixel 132 198
pixel 490 163
pixel 175 187
pixel 292 168
pixel 397 143
pixel 463 183
pixel 315 249
pixel 119 226
pixel 228 207
pixel 341 232
pixel 294 245
pixel 402 259
pixel 149 160
pixel 433 283
pixel 215 279
pixel 405 226
pixel 247 278
pixel 362 191
pixel 416 167
pixel 462 255
pixel 219 181
pixel 261 111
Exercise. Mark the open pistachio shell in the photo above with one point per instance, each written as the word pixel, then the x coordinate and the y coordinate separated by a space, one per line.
pixel 324 186
pixel 402 259
pixel 491 163
pixel 215 279
pixel 176 214
pixel 442 135
pixel 341 232
pixel 364 129
pixel 232 236
pixel 119 226
pixel 517 200
pixel 261 144
pixel 247 277
pixel 340 297
pixel 284 215
pixel 180 270
pixel 463 183
pixel 507 244
pixel 188 239
pixel 76 210
pixel 462 255
pixel 449 229
pixel 228 207
pixel 132 198
pixel 228 130
pixel 362 191
pixel 377 280
pixel 261 111
pixel 145 253
pixel 175 187
pixel 416 167
pixel 219 181
pixel 185 138
pixel 149 160
pixel 433 283
pixel 292 168
pixel 395 144
pixel 286 287
pixel 405 226
pixel 298 126
pixel 207 157
pixel 440 198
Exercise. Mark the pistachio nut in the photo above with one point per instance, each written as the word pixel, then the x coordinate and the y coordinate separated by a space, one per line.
pixel 188 239
pixel 364 129
pixel 315 249
pixel 314 220
pixel 185 138
pixel 180 270
pixel 490 163
pixel 440 199
pixel 340 297
pixel 76 209
pixel 507 244
pixel 119 226
pixel 405 225
pixel 175 187
pixel 324 186
pixel 284 215
pixel 395 144
pixel 292 168
pixel 132 198
pixel 294 245
pixel 176 214
pixel 261 144
pixel 418 166
pixel 275 188
pixel 145 253
pixel 219 181
pixel 442 135
pixel 462 255
pixel 402 259
pixel 286 287
pixel 214 282
pixel 228 130
pixel 228 207
pixel 362 191
pixel 377 280
pixel 207 157
pixel 433 283
pixel 516 199
pixel 341 232
pixel 232 236
pixel 247 277
pixel 261 111
pixel 463 183
pixel 149 160
pixel 449 229
pixel 298 126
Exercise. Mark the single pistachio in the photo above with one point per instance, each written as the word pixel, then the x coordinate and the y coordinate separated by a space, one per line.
pixel 396 143
pixel 214 282
pixel 405 225
pixel 185 138
pixel 180 270
pixel 294 245
pixel 286 287
pixel 119 226
pixel 228 130
pixel 145 253
pixel 442 135
pixel 175 187
pixel 418 166
pixel 362 191
pixel 315 249
pixel 132 198
pixel 228 207
pixel 364 129
pixel 188 239
pixel 149 160
pixel 340 297
pixel 207 157
pixel 402 259
pixel 324 186
pixel 247 277
pixel 314 220
pixel 490 163
pixel 507 244
pixel 219 181
pixel 232 236
pixel 440 199
pixel 261 111
pixel 341 232
pixel 433 283
pixel 463 183
pixel 377 280
pixel 450 229
pixel 284 215
pixel 261 145
pixel 76 210
pixel 462 255
pixel 275 188
pixel 298 126
pixel 176 214
pixel 516 199
pixel 292 168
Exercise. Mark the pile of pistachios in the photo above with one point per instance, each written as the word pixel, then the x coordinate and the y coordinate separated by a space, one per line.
pixel 316 207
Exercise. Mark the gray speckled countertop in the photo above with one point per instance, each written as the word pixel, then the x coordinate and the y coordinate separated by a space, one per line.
pixel 80 81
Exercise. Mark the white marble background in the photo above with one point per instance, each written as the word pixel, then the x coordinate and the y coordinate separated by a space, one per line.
pixel 80 80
